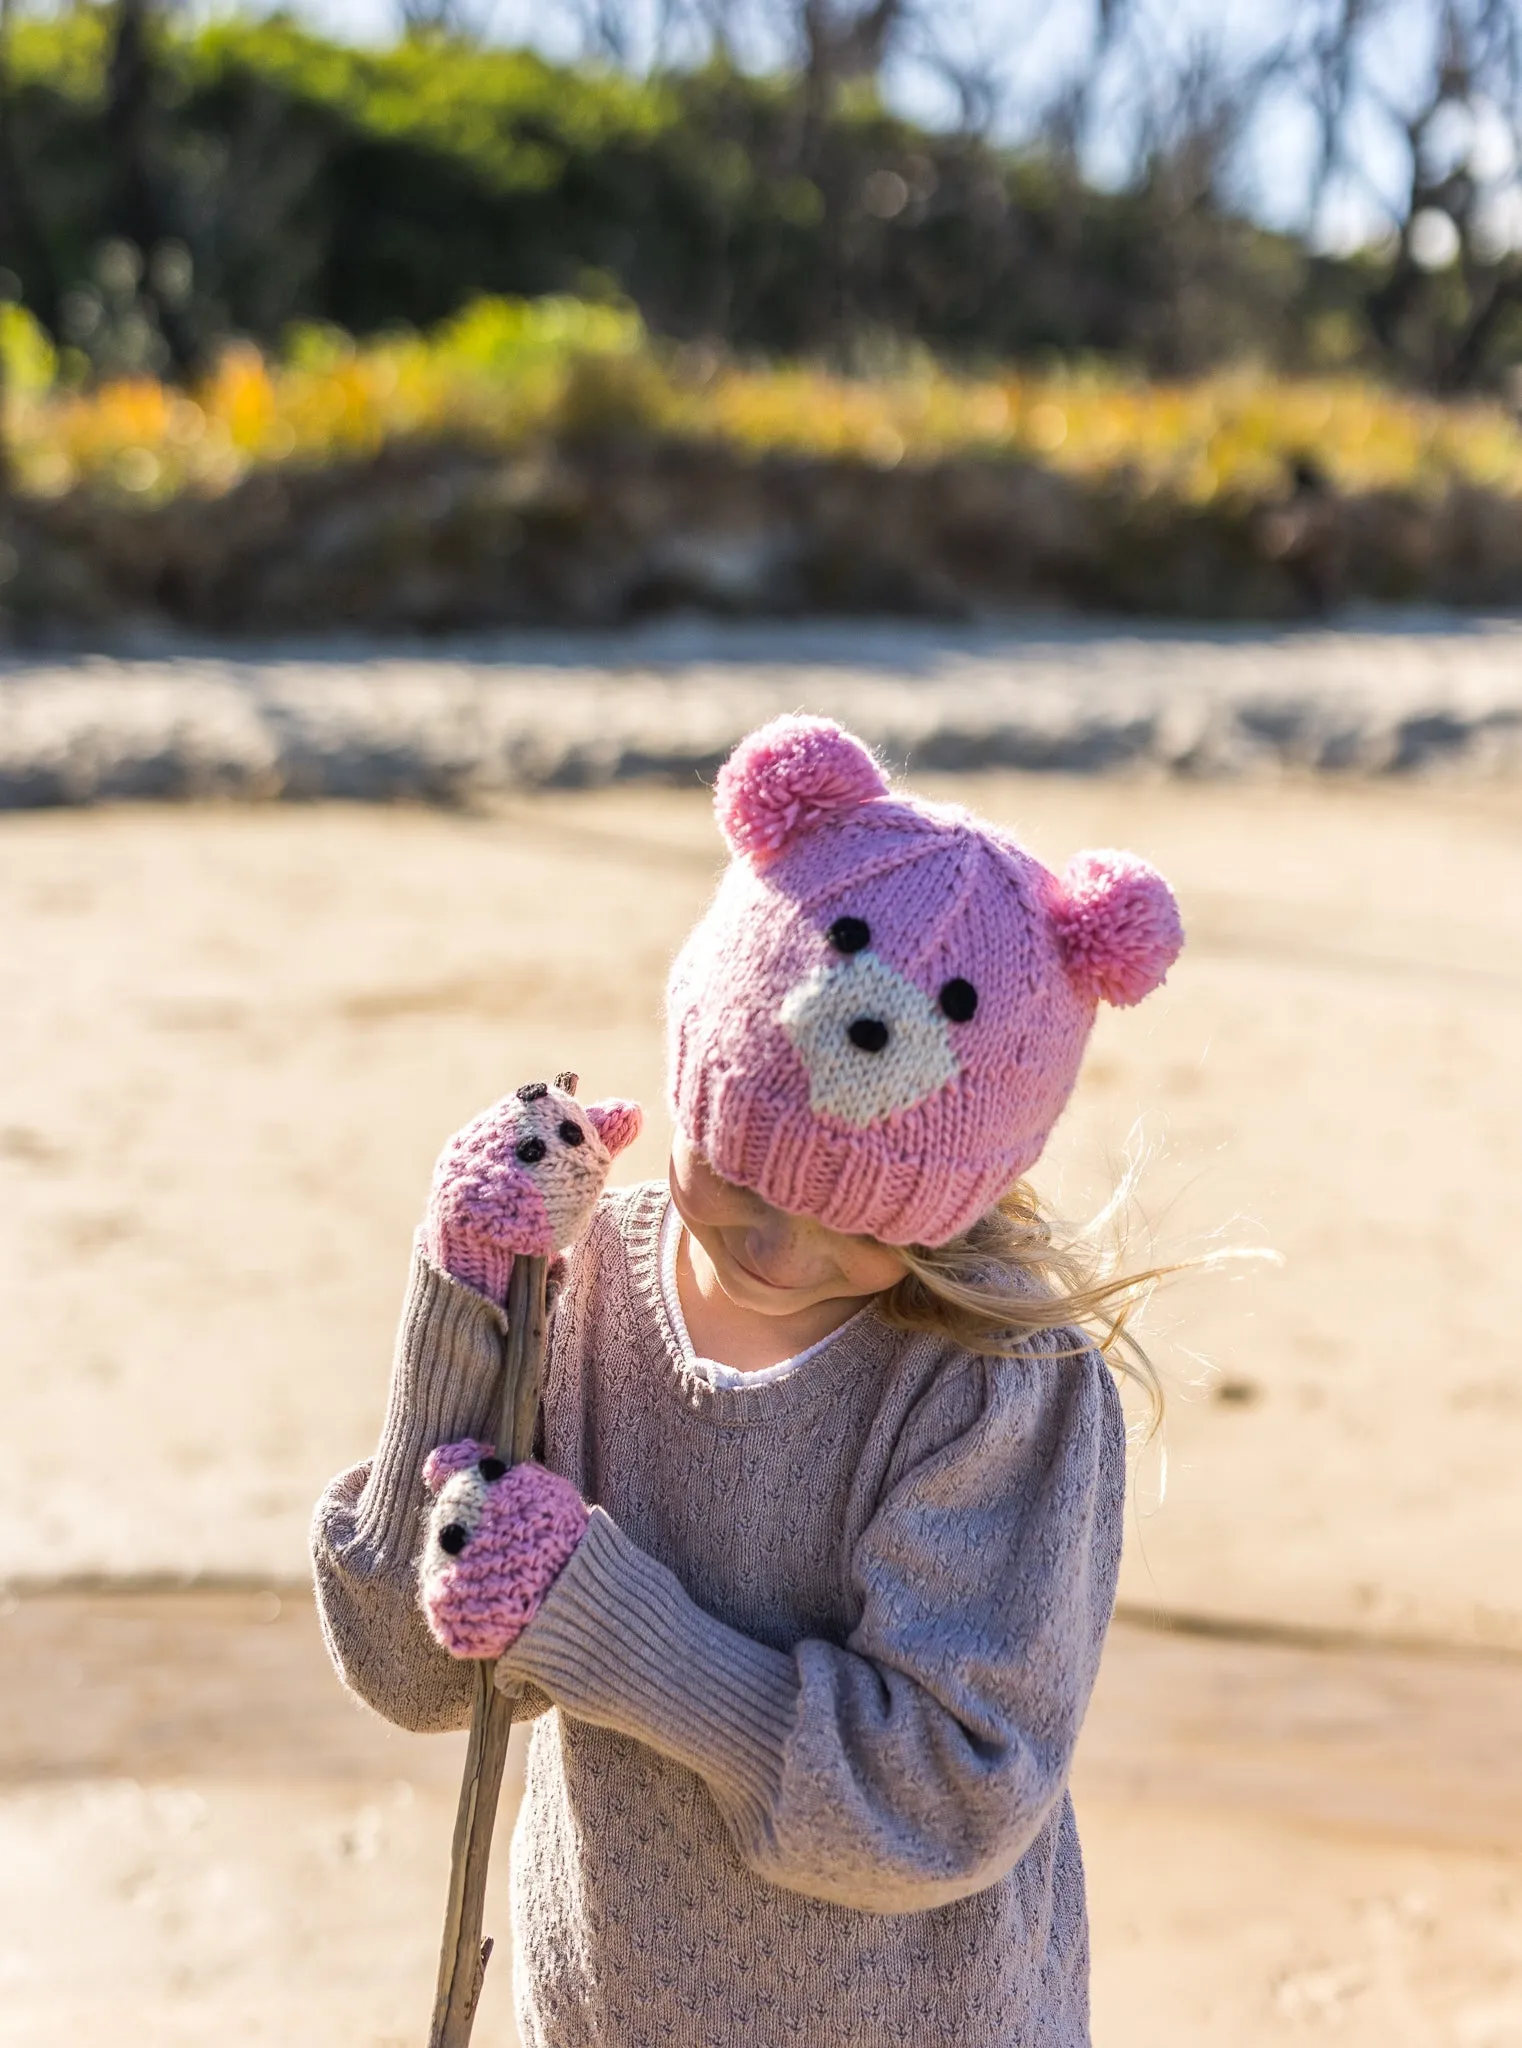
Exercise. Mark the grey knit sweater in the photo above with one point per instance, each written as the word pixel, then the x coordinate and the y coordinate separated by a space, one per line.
pixel 819 1664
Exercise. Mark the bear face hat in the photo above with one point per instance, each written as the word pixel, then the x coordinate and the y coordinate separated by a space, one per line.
pixel 881 1015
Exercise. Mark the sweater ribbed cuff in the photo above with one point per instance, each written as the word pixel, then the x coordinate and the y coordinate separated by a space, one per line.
pixel 619 1643
pixel 444 1386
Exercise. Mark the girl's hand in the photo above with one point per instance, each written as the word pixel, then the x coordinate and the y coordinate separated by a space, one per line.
pixel 498 1538
pixel 522 1178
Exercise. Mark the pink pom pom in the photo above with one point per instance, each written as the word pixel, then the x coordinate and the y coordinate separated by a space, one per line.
pixel 1117 926
pixel 617 1123
pixel 448 1459
pixel 786 777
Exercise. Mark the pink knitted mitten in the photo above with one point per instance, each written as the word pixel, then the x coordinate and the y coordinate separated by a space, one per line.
pixel 498 1538
pixel 522 1177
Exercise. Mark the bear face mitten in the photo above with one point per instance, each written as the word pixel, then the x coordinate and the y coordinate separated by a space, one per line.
pixel 498 1538
pixel 522 1178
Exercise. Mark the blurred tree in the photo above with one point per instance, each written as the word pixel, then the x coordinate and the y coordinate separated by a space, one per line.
pixel 1434 86
pixel 313 181
pixel 465 21
pixel 1455 285
pixel 20 231
pixel 606 31
pixel 842 42
pixel 162 187
pixel 131 268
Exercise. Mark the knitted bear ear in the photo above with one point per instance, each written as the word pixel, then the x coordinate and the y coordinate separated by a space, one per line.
pixel 617 1123
pixel 785 777
pixel 1117 926
pixel 442 1464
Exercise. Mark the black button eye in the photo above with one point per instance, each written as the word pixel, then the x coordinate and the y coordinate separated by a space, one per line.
pixel 452 1538
pixel 571 1132
pixel 531 1150
pixel 491 1468
pixel 850 935
pixel 959 1001
pixel 868 1034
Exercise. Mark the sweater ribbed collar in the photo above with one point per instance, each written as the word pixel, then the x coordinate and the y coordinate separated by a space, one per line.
pixel 862 1347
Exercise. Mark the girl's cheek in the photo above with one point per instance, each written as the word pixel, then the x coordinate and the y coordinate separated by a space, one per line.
pixel 686 1175
pixel 703 1201
pixel 870 1268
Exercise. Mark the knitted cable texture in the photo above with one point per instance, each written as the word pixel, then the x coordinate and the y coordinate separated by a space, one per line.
pixel 882 1013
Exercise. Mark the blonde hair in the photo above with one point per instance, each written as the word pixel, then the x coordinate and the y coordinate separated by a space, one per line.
pixel 1017 1271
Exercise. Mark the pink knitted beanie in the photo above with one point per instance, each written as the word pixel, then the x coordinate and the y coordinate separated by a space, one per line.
pixel 881 1015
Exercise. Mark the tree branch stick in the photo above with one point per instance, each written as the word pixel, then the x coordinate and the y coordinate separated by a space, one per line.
pixel 463 1954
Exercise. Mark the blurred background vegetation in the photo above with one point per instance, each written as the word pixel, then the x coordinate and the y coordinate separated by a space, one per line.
pixel 164 187
pixel 240 242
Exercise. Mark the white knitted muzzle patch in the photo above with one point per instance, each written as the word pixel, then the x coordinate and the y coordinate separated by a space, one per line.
pixel 569 1177
pixel 461 1500
pixel 847 1079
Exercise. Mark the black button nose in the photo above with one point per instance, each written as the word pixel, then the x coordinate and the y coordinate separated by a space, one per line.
pixel 868 1034
pixel 452 1538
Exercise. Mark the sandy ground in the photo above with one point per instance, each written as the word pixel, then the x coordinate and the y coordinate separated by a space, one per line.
pixel 232 1042
pixel 200 1839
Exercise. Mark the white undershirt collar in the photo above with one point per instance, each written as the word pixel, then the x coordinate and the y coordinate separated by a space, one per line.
pixel 713 1371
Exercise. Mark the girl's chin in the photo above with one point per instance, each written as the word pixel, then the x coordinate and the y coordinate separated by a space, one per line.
pixel 749 1290
pixel 768 1301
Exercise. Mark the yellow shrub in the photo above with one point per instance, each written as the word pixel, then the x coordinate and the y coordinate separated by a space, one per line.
pixel 502 371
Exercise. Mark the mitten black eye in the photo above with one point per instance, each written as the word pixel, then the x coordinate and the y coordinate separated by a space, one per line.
pixel 959 1001
pixel 850 935
pixel 491 1468
pixel 571 1133
pixel 531 1150
pixel 452 1538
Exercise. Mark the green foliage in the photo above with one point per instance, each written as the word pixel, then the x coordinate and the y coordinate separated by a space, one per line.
pixel 314 183
pixel 505 337
pixel 28 359
pixel 64 52
pixel 514 118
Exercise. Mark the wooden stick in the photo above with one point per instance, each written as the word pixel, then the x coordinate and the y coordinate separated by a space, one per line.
pixel 463 1955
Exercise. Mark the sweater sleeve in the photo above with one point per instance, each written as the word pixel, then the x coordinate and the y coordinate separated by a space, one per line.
pixel 369 1524
pixel 915 1762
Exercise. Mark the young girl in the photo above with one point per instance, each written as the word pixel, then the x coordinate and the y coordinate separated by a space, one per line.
pixel 817 1565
